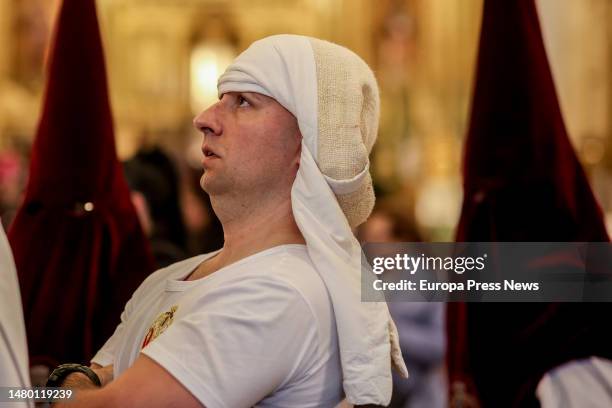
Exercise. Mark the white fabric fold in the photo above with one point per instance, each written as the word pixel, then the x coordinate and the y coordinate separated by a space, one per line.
pixel 283 67
pixel 13 346
pixel 265 67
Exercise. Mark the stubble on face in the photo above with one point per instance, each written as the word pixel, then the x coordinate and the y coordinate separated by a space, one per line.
pixel 260 146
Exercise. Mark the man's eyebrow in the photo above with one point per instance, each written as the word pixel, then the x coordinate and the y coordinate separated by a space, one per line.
pixel 256 96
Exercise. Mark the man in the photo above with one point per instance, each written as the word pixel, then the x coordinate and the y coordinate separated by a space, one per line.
pixel 274 318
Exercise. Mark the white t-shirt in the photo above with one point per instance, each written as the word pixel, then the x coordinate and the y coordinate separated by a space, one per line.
pixel 260 332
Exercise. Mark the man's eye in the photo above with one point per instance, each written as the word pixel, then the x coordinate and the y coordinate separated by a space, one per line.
pixel 242 102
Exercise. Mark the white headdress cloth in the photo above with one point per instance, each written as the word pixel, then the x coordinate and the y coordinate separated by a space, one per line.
pixel 283 67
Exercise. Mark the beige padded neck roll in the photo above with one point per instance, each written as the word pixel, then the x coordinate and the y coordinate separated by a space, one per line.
pixel 348 115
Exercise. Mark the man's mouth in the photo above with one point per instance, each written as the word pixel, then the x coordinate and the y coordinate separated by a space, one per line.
pixel 209 152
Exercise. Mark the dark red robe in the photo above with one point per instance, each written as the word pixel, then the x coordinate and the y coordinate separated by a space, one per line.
pixel 78 246
pixel 522 182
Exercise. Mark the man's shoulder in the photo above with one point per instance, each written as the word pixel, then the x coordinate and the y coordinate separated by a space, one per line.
pixel 276 262
pixel 295 269
pixel 295 256
pixel 285 268
pixel 290 263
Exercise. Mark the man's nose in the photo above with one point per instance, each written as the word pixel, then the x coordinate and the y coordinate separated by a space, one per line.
pixel 208 121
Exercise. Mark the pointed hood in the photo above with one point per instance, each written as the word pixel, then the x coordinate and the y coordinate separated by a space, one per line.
pixel 73 157
pixel 78 247
pixel 519 166
pixel 522 182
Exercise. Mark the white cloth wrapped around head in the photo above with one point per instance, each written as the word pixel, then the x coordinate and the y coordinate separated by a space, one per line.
pixel 334 96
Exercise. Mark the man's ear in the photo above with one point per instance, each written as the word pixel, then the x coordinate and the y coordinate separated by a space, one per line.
pixel 298 136
pixel 299 156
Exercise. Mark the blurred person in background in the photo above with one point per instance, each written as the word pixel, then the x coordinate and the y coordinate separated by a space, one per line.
pixel 204 230
pixel 154 186
pixel 523 182
pixel 78 247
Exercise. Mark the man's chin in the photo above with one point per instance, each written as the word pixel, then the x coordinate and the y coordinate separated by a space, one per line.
pixel 211 187
pixel 204 183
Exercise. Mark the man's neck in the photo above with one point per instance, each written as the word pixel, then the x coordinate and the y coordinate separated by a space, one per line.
pixel 249 229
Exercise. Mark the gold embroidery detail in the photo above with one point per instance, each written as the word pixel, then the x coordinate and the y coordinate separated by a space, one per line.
pixel 160 324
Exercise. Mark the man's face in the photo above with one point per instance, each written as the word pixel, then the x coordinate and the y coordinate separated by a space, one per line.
pixel 251 144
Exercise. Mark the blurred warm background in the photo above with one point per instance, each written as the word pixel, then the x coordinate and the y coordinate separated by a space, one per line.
pixel 163 57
